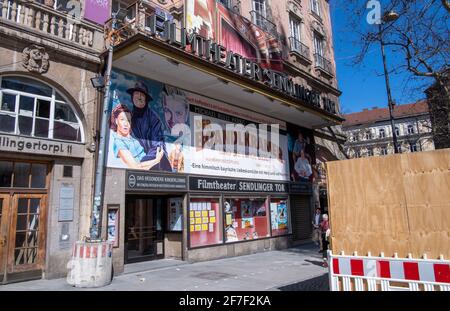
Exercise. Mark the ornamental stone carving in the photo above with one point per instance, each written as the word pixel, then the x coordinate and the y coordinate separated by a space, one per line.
pixel 35 59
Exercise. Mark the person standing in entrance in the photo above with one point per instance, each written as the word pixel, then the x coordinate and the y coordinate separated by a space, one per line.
pixel 147 127
pixel 325 228
pixel 317 233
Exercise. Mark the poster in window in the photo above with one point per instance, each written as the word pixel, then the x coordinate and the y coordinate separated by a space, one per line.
pixel 175 214
pixel 279 215
pixel 113 225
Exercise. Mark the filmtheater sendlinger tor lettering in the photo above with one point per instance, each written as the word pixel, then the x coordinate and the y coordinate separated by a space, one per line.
pixel 218 54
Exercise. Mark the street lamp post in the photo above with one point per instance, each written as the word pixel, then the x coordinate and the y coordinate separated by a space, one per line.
pixel 389 17
pixel 95 227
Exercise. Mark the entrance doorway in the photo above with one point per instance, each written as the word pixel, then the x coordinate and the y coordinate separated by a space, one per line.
pixel 23 206
pixel 144 232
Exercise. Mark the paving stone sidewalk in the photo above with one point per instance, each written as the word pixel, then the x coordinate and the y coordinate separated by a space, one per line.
pixel 295 269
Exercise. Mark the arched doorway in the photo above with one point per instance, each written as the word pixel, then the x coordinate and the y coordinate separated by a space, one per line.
pixel 33 115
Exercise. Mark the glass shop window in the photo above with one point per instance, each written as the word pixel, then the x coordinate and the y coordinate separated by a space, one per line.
pixel 245 219
pixel 204 228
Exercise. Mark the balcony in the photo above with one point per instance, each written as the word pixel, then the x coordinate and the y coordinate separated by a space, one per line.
pixel 323 65
pixel 44 23
pixel 262 22
pixel 300 49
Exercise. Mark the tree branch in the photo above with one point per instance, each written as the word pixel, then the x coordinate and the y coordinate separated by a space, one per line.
pixel 446 5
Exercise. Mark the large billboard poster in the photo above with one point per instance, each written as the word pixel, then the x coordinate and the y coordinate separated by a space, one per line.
pixel 241 36
pixel 216 22
pixel 157 127
pixel 200 17
pixel 301 153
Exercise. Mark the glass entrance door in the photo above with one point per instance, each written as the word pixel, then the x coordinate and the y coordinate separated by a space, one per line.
pixel 144 236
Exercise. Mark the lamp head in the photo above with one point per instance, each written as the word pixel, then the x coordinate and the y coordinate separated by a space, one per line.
pixel 390 16
pixel 98 82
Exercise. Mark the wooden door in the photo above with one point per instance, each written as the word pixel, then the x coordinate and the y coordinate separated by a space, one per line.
pixel 26 241
pixel 4 207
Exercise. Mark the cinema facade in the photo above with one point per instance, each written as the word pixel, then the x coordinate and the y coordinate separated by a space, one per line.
pixel 211 153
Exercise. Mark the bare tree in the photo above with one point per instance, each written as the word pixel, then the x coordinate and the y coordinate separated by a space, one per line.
pixel 420 38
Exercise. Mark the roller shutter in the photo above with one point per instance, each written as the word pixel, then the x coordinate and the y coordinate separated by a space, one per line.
pixel 301 217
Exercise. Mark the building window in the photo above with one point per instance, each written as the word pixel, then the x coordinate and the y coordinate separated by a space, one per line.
pixel 367 135
pixel 31 108
pixel 410 129
pixel 397 131
pixel 315 7
pixel 246 219
pixel 382 133
pixel 204 226
pixel 23 175
pixel 399 149
pixel 120 4
pixel 383 151
pixel 259 6
pixel 357 154
pixel 296 28
pixel 370 152
pixel 318 44
pixel 413 147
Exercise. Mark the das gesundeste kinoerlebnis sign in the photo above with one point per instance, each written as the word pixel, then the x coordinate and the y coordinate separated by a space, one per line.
pixel 218 54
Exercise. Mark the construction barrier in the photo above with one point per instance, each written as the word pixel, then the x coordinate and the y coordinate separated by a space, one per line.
pixel 91 264
pixel 367 273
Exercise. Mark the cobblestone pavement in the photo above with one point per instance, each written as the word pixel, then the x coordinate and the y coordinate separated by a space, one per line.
pixel 292 269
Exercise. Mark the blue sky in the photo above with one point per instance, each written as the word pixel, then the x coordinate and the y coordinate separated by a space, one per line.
pixel 363 86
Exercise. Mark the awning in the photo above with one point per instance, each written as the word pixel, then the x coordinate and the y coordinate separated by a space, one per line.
pixel 151 58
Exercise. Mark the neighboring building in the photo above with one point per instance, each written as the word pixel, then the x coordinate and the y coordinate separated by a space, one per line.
pixel 167 194
pixel 369 132
pixel 48 112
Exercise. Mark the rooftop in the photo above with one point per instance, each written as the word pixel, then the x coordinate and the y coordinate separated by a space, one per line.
pixel 369 116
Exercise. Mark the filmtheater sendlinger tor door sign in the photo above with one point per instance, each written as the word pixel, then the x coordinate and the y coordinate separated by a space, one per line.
pixel 215 53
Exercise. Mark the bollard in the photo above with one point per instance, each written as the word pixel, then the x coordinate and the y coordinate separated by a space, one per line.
pixel 91 264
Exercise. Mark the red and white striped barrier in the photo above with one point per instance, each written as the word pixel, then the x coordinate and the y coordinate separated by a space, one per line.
pixel 375 273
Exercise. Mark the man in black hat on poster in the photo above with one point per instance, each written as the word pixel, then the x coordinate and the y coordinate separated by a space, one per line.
pixel 147 127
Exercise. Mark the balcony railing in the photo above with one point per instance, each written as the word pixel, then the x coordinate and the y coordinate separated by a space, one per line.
pixel 323 64
pixel 46 20
pixel 262 22
pixel 300 48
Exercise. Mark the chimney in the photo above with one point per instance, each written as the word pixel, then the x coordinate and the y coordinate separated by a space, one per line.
pixel 373 108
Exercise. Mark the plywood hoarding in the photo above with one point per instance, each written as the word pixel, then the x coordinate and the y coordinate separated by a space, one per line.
pixel 391 204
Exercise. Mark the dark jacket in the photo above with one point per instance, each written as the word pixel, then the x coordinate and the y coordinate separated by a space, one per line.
pixel 147 128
